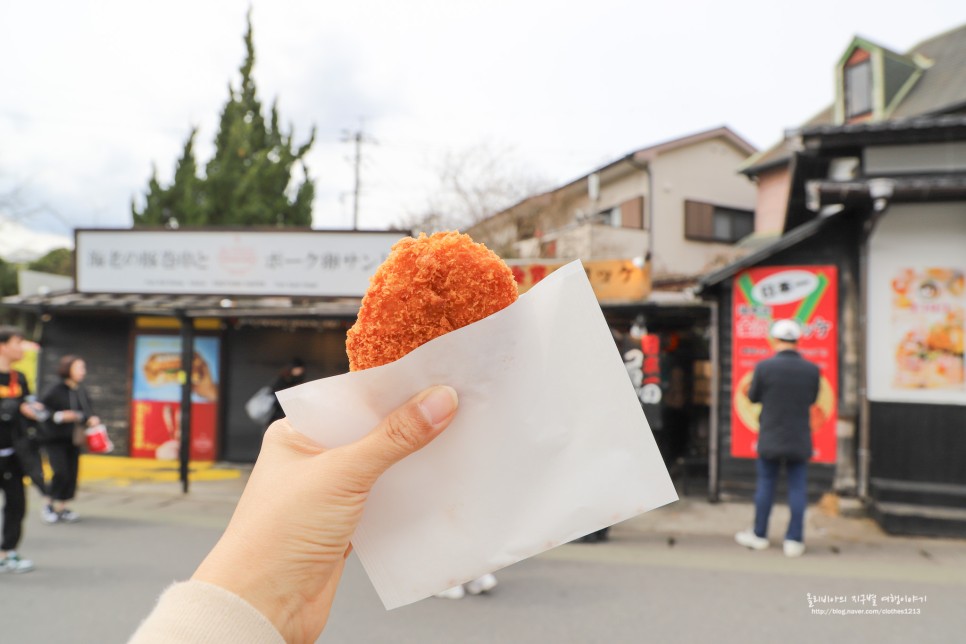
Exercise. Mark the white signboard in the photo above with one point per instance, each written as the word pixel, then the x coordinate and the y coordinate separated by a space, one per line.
pixel 917 304
pixel 255 262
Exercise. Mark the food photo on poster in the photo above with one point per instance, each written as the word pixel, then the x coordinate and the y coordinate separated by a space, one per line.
pixel 808 295
pixel 156 397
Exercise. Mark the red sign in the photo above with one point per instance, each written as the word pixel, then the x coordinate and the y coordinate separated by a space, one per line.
pixel 156 430
pixel 808 294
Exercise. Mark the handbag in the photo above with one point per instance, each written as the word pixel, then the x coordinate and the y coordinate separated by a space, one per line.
pixel 261 405
pixel 78 437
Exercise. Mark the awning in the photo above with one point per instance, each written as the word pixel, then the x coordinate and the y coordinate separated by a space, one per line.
pixel 194 306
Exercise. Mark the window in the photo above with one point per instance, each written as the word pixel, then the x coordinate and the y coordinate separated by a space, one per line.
pixel 708 222
pixel 629 214
pixel 858 89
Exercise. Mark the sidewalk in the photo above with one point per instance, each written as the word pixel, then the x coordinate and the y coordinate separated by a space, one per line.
pixel 827 527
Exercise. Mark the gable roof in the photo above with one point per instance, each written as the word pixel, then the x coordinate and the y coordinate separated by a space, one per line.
pixel 642 156
pixel 940 88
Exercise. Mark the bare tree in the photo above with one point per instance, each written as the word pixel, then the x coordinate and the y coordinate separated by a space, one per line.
pixel 474 183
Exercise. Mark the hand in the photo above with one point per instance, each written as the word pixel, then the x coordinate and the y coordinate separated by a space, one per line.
pixel 30 410
pixel 93 421
pixel 285 547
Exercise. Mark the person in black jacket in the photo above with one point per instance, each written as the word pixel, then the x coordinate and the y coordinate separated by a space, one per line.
pixel 70 409
pixel 13 410
pixel 787 386
pixel 293 374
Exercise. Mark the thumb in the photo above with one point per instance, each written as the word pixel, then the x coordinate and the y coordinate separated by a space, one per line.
pixel 406 430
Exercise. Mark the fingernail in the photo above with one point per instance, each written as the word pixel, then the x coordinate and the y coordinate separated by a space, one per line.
pixel 439 404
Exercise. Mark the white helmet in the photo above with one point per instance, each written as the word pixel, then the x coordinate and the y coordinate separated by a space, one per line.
pixel 786 330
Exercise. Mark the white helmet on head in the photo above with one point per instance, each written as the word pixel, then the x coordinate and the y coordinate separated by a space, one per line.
pixel 786 330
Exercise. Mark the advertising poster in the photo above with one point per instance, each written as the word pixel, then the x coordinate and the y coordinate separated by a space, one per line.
pixel 156 399
pixel 808 294
pixel 916 303
pixel 928 307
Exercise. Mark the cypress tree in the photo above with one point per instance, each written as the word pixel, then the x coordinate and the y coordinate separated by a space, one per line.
pixel 249 179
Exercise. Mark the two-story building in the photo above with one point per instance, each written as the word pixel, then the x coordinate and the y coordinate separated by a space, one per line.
pixel 677 209
pixel 870 197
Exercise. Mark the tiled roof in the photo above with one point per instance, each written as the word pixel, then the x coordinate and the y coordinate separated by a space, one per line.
pixel 942 88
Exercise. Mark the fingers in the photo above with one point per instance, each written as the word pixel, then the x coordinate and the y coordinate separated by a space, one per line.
pixel 406 430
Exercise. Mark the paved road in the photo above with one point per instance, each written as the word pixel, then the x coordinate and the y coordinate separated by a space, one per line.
pixel 96 579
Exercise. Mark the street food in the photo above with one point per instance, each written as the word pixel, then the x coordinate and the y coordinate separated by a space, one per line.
pixel 428 286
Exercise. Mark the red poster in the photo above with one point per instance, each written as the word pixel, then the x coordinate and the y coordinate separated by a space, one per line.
pixel 156 430
pixel 808 294
pixel 156 398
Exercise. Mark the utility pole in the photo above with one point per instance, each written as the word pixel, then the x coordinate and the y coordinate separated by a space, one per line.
pixel 358 137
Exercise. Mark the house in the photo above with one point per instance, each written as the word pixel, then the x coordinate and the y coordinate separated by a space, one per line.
pixel 679 204
pixel 676 210
pixel 871 260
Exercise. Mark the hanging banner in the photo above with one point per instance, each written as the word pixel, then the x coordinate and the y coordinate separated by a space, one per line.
pixel 156 399
pixel 613 280
pixel 809 295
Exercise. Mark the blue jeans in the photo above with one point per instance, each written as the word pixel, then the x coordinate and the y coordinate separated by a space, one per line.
pixel 796 471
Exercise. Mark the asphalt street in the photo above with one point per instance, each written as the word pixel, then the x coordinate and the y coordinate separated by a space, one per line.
pixel 673 575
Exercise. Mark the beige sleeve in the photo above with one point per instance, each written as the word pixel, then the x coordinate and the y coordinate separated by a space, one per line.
pixel 198 612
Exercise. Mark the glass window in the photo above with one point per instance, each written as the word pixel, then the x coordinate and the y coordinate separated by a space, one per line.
pixel 858 89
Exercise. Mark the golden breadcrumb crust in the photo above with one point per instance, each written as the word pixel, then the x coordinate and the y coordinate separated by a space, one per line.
pixel 426 287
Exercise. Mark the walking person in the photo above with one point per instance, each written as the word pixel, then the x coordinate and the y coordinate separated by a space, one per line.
pixel 293 374
pixel 30 450
pixel 70 411
pixel 787 386
pixel 13 411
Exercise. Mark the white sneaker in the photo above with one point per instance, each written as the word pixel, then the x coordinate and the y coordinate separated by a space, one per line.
pixel 48 514
pixel 456 592
pixel 749 539
pixel 793 548
pixel 13 563
pixel 68 516
pixel 481 585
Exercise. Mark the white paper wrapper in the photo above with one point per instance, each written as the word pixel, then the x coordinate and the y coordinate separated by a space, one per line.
pixel 549 442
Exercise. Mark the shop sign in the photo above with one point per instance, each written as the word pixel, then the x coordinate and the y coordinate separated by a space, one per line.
pixel 156 397
pixel 612 280
pixel 809 295
pixel 252 262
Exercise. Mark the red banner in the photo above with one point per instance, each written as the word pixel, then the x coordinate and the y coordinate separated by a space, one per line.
pixel 808 294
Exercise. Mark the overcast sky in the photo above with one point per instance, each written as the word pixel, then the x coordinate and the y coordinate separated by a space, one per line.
pixel 94 93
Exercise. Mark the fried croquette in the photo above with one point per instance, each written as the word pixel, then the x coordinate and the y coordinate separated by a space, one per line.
pixel 426 287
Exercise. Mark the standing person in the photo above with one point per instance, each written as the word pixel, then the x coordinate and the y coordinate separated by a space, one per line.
pixel 293 374
pixel 13 410
pixel 787 386
pixel 70 410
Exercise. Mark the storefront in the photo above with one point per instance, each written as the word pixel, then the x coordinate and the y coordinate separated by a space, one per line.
pixel 250 302
pixel 879 212
pixel 664 340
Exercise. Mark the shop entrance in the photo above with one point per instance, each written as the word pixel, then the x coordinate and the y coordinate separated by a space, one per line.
pixel 667 353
